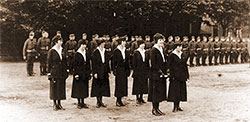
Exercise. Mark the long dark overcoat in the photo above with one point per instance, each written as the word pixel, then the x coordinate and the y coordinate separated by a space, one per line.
pixel 100 86
pixel 178 77
pixel 80 87
pixel 157 85
pixel 58 69
pixel 121 69
pixel 140 73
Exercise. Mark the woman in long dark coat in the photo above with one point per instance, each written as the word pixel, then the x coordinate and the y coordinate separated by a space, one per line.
pixel 157 82
pixel 81 68
pixel 140 63
pixel 100 70
pixel 178 77
pixel 57 75
pixel 121 71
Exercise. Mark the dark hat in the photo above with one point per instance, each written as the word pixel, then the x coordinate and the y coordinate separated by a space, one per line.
pixel 121 39
pixel 56 39
pixel 99 41
pixel 139 42
pixel 72 35
pixel 83 42
pixel 31 33
pixel 176 44
pixel 158 36
pixel 58 32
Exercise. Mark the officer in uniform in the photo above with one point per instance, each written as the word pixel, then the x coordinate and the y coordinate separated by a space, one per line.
pixel 198 48
pixel 222 49
pixel 70 49
pixel 217 46
pixel 227 50
pixel 210 50
pixel 30 53
pixel 43 46
pixel 205 47
pixel 191 46
pixel 185 47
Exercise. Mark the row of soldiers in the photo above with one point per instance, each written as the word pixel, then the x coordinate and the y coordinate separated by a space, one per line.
pixel 227 50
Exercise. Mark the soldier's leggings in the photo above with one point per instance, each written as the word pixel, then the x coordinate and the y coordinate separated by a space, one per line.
pixel 204 57
pixel 216 55
pixel 43 63
pixel 243 55
pixel 222 54
pixel 231 57
pixel 30 63
pixel 227 55
pixel 191 60
pixel 236 57
pixel 199 54
pixel 210 57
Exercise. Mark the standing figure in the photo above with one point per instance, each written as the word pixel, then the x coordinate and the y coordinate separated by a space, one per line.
pixel 121 70
pixel 222 49
pixel 178 76
pixel 217 46
pixel 141 71
pixel 191 46
pixel 157 83
pixel 30 53
pixel 81 75
pixel 100 71
pixel 43 46
pixel 227 51
pixel 233 56
pixel 210 50
pixel 185 47
pixel 169 45
pixel 70 49
pixel 198 48
pixel 57 74
pixel 205 47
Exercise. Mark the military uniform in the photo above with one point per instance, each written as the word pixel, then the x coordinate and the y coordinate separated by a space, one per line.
pixel 185 49
pixel 222 51
pixel 217 46
pixel 227 51
pixel 199 50
pixel 233 56
pixel 43 46
pixel 70 49
pixel 30 53
pixel 169 47
pixel 242 51
pixel 210 51
pixel 205 47
pixel 191 46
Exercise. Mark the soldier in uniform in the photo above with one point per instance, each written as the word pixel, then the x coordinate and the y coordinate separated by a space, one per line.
pixel 70 49
pixel 83 39
pixel 238 50
pixel 205 47
pixel 234 52
pixel 148 43
pixel 242 49
pixel 245 52
pixel 93 44
pixel 30 53
pixel 43 46
pixel 185 47
pixel 191 46
pixel 210 50
pixel 107 46
pixel 217 46
pixel 169 45
pixel 227 50
pixel 198 49
pixel 222 49
pixel 177 39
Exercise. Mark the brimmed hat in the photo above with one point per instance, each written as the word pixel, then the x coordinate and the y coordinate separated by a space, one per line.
pixel 99 41
pixel 139 42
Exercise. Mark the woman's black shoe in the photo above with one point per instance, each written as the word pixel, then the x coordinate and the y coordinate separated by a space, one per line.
pixel 118 104
pixel 55 108
pixel 175 110
pixel 84 106
pixel 138 101
pixel 155 112
pixel 179 109
pixel 103 105
pixel 79 106
pixel 98 105
pixel 142 101
pixel 60 107
pixel 160 112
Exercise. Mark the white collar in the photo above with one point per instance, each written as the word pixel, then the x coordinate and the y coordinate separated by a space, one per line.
pixel 142 52
pixel 122 50
pixel 161 51
pixel 83 53
pixel 59 51
pixel 178 54
pixel 102 51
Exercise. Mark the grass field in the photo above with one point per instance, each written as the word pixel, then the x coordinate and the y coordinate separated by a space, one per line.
pixel 211 97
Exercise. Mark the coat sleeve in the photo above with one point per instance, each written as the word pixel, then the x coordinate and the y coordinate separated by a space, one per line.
pixel 25 47
pixel 38 45
pixel 76 64
pixel 49 60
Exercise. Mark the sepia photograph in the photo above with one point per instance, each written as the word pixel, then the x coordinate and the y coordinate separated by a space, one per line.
pixel 125 60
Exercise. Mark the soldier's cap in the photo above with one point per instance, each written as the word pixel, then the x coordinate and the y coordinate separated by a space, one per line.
pixel 59 32
pixel 198 37
pixel 99 41
pixel 56 39
pixel 121 39
pixel 177 37
pixel 158 36
pixel 72 35
pixel 185 37
pixel 139 42
pixel 43 32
